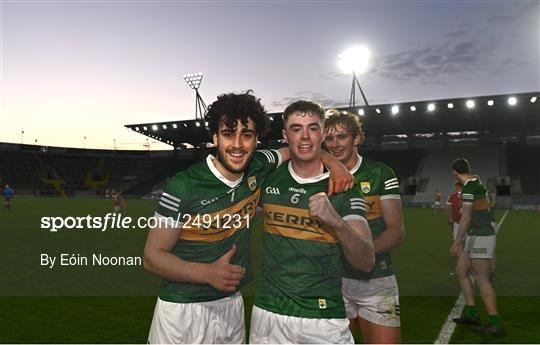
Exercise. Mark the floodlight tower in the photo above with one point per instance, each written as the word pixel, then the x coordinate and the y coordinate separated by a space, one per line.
pixel 194 81
pixel 355 60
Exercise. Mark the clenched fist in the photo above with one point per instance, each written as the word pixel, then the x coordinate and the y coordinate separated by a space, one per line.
pixel 320 206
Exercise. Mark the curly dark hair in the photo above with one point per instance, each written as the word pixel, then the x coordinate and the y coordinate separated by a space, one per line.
pixel 231 107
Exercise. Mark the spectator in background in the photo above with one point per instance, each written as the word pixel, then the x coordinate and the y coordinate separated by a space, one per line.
pixel 437 203
pixel 453 208
pixel 8 194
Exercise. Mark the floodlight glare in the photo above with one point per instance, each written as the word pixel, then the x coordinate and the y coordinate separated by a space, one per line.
pixel 174 125
pixel 450 105
pixel 198 124
pixel 431 107
pixel 395 109
pixel 145 128
pixel 361 112
pixel 470 104
pixel 378 110
pixel 512 100
pixel 164 126
pixel 206 123
pixel 533 99
pixel 354 60
pixel 137 129
pixel 193 80
pixel 154 127
pixel 271 118
pixel 490 103
pixel 413 108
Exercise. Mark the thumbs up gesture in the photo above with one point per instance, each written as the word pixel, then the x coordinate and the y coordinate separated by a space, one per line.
pixel 224 276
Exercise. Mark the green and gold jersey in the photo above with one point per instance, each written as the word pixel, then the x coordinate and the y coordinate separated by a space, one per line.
pixel 476 194
pixel 213 214
pixel 301 260
pixel 377 182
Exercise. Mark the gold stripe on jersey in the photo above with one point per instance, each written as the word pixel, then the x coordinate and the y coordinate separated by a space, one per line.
pixel 295 223
pixel 481 205
pixel 373 206
pixel 248 206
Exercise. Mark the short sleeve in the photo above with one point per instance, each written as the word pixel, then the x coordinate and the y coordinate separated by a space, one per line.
pixel 352 205
pixel 173 202
pixel 268 157
pixel 390 184
pixel 467 195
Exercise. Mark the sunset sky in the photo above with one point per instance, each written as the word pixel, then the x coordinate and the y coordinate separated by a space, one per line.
pixel 71 69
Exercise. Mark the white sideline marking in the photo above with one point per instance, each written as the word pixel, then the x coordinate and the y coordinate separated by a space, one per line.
pixel 450 325
pixel 448 328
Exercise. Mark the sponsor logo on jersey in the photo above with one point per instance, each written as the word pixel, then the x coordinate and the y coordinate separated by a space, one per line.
pixel 297 190
pixel 272 190
pixel 322 303
pixel 365 187
pixel 373 207
pixel 252 183
pixel 295 223
pixel 209 201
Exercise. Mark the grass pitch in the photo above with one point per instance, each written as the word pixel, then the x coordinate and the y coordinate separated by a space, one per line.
pixel 115 304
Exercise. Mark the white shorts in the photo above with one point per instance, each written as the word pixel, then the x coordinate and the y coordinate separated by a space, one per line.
pixel 220 321
pixel 437 204
pixel 455 230
pixel 375 300
pixel 481 247
pixel 272 328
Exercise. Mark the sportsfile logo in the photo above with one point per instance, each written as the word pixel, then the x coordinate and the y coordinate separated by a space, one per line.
pixel 111 221
pixel 117 221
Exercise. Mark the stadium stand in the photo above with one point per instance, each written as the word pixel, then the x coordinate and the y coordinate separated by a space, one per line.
pixel 524 167
pixel 510 172
pixel 501 141
pixel 437 174
pixel 72 172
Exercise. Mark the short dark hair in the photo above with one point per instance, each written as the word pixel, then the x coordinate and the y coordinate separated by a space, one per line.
pixel 304 108
pixel 350 121
pixel 461 166
pixel 231 107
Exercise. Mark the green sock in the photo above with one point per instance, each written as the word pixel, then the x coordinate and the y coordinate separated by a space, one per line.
pixel 495 320
pixel 470 310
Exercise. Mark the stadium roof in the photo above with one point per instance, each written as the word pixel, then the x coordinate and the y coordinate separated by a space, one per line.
pixel 509 118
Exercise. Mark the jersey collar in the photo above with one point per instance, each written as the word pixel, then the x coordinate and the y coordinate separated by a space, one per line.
pixel 219 176
pixel 469 180
pixel 303 180
pixel 357 165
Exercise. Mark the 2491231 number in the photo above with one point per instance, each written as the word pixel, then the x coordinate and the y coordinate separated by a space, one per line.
pixel 206 221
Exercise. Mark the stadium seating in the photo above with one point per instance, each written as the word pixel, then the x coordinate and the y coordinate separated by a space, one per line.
pixel 75 172
pixel 436 169
pixel 524 166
